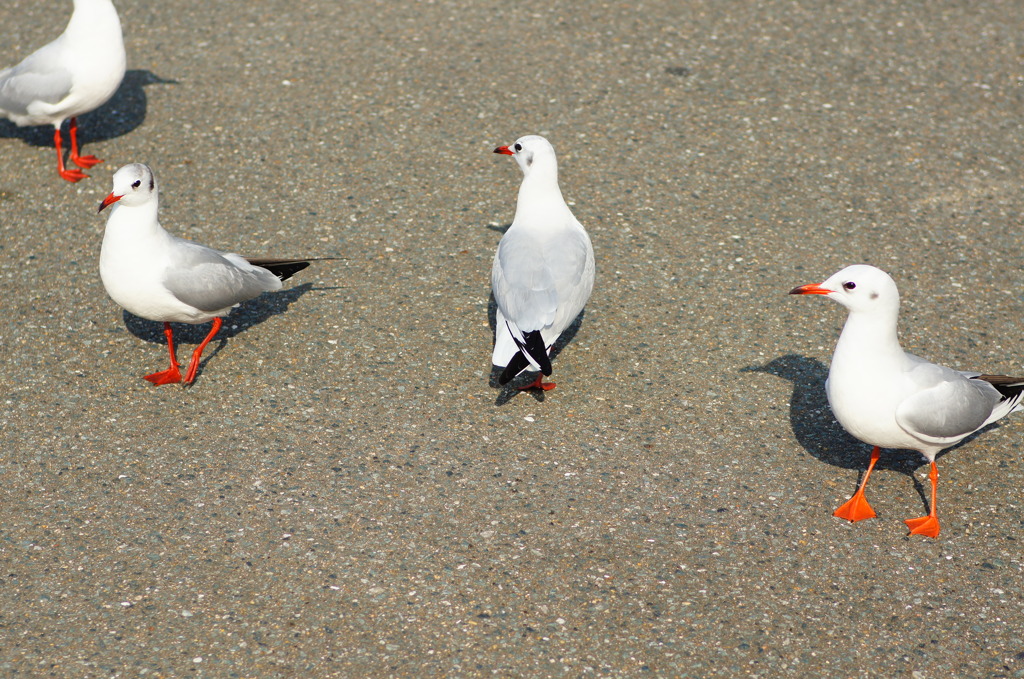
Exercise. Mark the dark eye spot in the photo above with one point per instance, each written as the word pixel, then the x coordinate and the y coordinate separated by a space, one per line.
pixel 137 183
pixel 518 147
pixel 849 285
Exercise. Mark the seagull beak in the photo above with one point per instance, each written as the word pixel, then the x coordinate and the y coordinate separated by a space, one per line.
pixel 504 150
pixel 109 200
pixel 811 289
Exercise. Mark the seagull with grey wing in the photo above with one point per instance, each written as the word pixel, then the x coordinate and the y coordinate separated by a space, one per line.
pixel 76 73
pixel 888 398
pixel 543 271
pixel 161 277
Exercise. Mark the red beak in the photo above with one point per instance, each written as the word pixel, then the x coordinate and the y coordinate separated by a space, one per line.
pixel 810 289
pixel 109 200
pixel 504 150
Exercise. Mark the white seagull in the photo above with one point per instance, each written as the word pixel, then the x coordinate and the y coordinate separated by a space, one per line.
pixel 161 277
pixel 888 398
pixel 76 73
pixel 543 270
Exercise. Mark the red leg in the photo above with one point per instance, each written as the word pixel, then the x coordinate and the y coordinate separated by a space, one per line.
pixel 928 525
pixel 172 375
pixel 539 383
pixel 80 161
pixel 69 175
pixel 857 507
pixel 193 365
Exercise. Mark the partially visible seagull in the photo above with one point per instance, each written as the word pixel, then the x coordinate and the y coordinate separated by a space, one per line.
pixel 76 73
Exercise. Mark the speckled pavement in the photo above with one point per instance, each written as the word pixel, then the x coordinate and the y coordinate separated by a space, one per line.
pixel 342 493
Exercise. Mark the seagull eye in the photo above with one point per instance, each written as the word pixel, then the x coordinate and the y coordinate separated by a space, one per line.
pixel 849 285
pixel 518 147
pixel 137 183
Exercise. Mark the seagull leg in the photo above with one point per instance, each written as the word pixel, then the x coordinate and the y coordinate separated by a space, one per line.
pixel 928 525
pixel 80 161
pixel 172 375
pixel 857 507
pixel 539 383
pixel 69 175
pixel 193 365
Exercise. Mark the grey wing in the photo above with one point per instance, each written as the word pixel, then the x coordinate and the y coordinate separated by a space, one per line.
pixel 210 280
pixel 523 286
pixel 573 271
pixel 535 284
pixel 38 78
pixel 949 407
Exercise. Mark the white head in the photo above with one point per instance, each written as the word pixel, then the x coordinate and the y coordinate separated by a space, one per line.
pixel 531 152
pixel 134 184
pixel 859 288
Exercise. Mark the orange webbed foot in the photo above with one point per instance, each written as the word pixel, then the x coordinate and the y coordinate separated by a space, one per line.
pixel 925 525
pixel 539 383
pixel 855 509
pixel 72 175
pixel 170 376
pixel 85 161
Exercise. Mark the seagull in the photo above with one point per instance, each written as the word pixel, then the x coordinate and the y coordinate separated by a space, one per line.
pixel 76 73
pixel 888 398
pixel 161 277
pixel 543 270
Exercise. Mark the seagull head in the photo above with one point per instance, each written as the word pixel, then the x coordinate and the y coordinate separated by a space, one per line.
pixel 134 184
pixel 859 288
pixel 531 151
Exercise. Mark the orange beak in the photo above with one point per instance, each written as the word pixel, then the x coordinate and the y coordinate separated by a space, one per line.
pixel 109 200
pixel 810 289
pixel 504 150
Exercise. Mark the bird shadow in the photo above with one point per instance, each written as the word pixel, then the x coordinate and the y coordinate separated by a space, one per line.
pixel 509 391
pixel 817 430
pixel 124 112
pixel 241 318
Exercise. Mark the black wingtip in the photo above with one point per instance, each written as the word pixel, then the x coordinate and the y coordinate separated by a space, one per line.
pixel 534 346
pixel 282 268
pixel 514 367
pixel 1008 387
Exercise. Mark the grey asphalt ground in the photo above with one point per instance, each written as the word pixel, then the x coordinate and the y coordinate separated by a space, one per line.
pixel 342 493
